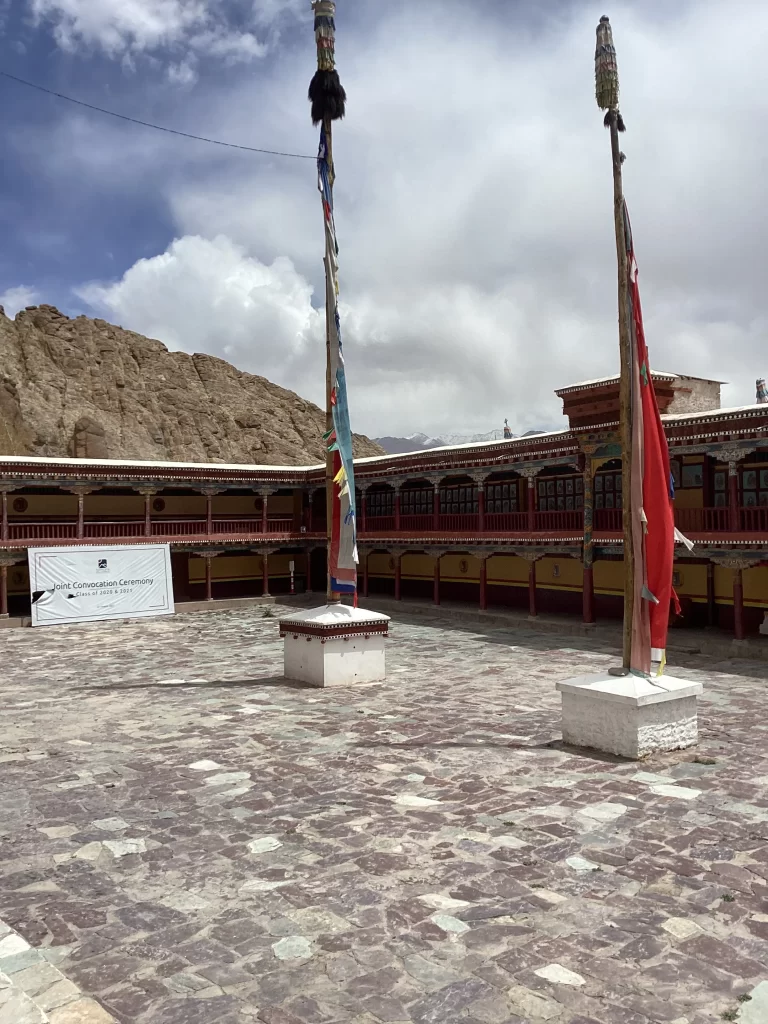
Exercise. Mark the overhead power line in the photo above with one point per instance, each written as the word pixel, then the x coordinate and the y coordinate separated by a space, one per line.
pixel 157 127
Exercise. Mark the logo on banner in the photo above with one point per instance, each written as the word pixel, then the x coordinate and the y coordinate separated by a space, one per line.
pixel 102 563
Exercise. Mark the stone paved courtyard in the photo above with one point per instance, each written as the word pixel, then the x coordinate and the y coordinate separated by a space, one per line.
pixel 190 841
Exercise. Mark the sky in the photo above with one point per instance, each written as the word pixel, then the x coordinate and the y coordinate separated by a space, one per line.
pixel 474 199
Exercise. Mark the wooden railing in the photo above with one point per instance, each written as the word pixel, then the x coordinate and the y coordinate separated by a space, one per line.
pixel 417 524
pixel 754 520
pixel 459 523
pixel 506 522
pixel 691 521
pixel 608 520
pixel 703 520
pixel 42 531
pixel 559 522
pixel 120 528
pixel 179 528
pixel 380 524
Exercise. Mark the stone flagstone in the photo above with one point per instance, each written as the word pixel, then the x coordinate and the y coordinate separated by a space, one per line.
pixel 527 882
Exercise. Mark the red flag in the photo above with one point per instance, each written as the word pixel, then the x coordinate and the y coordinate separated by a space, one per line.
pixel 655 518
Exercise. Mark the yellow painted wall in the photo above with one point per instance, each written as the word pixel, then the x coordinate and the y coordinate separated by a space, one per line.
pixel 570 573
pixel 177 505
pixel 755 582
pixel 244 567
pixel 18 579
pixel 416 567
pixel 133 505
pixel 378 565
pixel 691 497
pixel 608 577
pixel 450 569
pixel 508 570
pixel 237 505
pixel 45 505
pixel 693 581
pixel 723 585
pixel 756 586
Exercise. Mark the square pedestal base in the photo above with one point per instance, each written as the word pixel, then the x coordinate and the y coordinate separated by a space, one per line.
pixel 628 715
pixel 335 645
pixel 336 662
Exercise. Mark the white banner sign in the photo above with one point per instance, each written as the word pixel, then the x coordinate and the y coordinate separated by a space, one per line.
pixel 87 583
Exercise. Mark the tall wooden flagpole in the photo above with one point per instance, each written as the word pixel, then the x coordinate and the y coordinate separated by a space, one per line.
pixel 331 597
pixel 607 94
pixel 328 100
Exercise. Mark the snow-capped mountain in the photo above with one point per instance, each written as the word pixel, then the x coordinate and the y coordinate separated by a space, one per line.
pixel 422 442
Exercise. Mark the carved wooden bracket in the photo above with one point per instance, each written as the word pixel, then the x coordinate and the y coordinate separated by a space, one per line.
pixel 735 562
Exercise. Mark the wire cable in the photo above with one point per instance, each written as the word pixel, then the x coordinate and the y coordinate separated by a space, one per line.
pixel 157 127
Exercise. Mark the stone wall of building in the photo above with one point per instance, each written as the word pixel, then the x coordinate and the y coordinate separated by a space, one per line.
pixel 692 394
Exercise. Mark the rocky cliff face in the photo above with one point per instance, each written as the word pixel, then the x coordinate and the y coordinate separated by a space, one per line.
pixel 88 389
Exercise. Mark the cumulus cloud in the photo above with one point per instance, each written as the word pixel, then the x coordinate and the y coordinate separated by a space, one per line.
pixel 206 295
pixel 14 299
pixel 474 211
pixel 195 26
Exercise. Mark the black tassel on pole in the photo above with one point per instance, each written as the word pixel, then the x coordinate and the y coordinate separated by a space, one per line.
pixel 326 92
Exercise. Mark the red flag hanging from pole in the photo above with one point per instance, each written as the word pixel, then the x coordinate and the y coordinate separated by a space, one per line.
pixel 652 495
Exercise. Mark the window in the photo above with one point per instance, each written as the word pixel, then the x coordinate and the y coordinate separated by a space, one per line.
pixel 721 488
pixel 754 487
pixel 563 493
pixel 416 502
pixel 502 497
pixel 608 489
pixel 458 500
pixel 380 503
pixel 693 475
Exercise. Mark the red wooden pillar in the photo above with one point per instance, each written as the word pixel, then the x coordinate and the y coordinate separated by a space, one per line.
pixel 80 514
pixel 4 526
pixel 531 503
pixel 436 586
pixel 588 585
pixel 364 515
pixel 738 605
pixel 3 591
pixel 148 495
pixel 209 514
pixel 436 508
pixel 588 595
pixel 532 589
pixel 310 524
pixel 264 511
pixel 711 606
pixel 398 578
pixel 481 506
pixel 397 508
pixel 365 570
pixel 483 584
pixel 265 574
pixel 734 518
pixel 208 578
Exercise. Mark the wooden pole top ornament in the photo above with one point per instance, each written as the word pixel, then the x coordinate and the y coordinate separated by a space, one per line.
pixel 326 93
pixel 607 74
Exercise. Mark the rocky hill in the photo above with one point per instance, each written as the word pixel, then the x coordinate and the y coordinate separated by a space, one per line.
pixel 88 389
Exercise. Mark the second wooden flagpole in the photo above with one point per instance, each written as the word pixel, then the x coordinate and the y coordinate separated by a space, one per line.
pixel 607 93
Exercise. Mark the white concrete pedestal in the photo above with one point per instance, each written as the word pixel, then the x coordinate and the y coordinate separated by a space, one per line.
pixel 764 625
pixel 334 645
pixel 629 715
